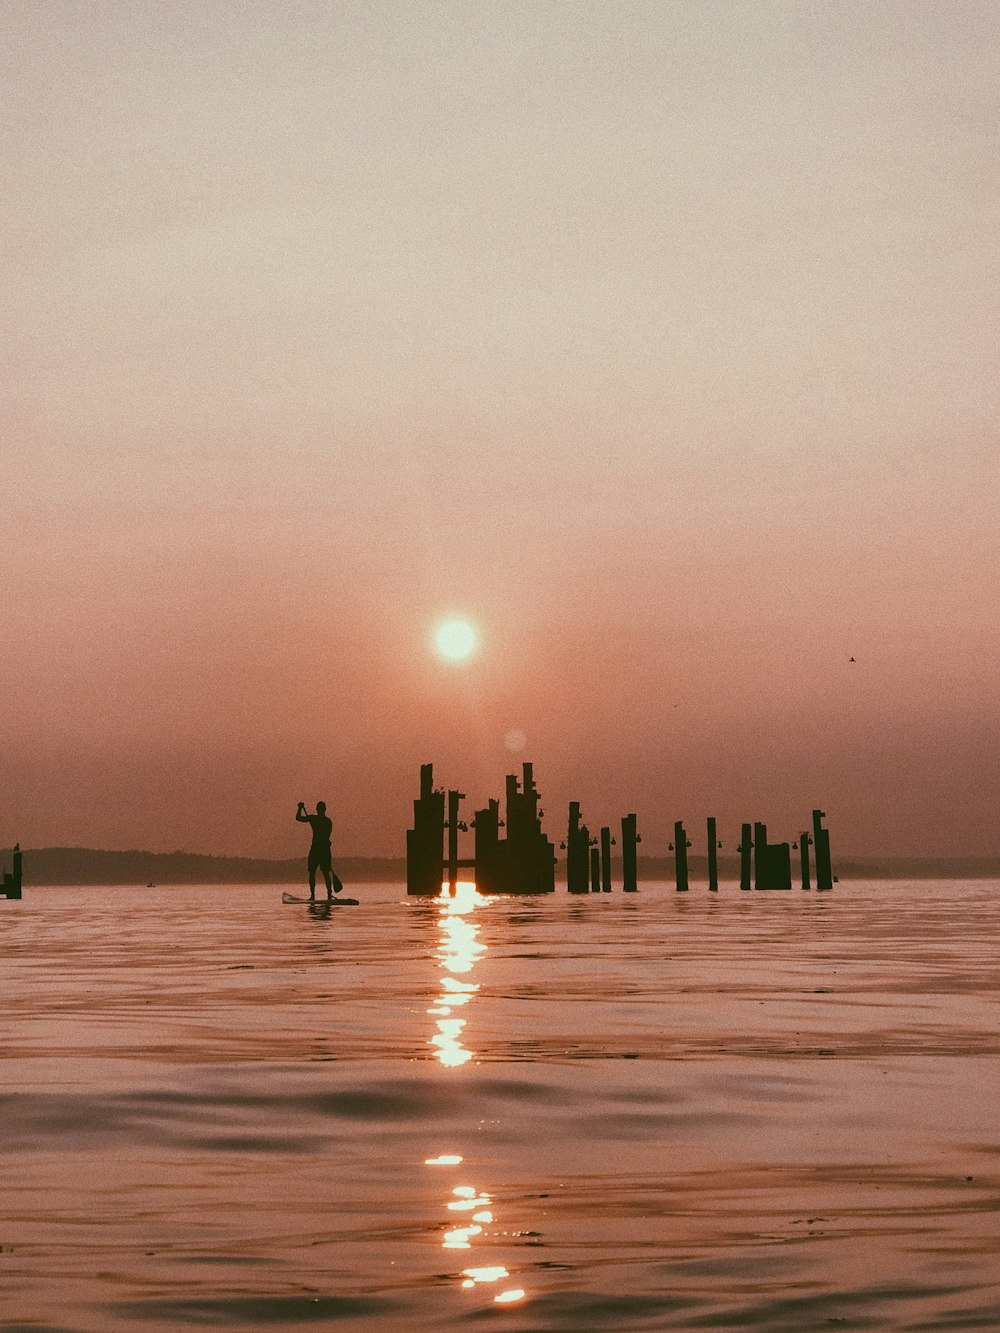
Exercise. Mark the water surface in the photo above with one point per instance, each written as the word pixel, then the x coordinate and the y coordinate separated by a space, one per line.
pixel 732 1111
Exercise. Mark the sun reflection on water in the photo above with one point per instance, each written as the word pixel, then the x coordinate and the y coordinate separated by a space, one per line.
pixel 459 949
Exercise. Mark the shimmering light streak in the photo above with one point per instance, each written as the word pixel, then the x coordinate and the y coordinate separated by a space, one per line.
pixel 467 1205
pixel 459 1238
pixel 458 950
pixel 451 1052
pixel 474 1275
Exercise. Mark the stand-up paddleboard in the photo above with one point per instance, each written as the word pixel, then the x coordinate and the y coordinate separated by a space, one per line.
pixel 321 902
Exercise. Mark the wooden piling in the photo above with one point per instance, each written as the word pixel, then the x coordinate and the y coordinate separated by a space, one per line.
pixel 629 868
pixel 577 842
pixel 746 851
pixel 454 797
pixel 605 860
pixel 681 857
pixel 821 841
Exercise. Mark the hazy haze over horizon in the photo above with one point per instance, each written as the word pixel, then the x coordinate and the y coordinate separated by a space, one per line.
pixel 658 339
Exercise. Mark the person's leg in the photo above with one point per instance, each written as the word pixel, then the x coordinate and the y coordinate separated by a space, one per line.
pixel 312 877
pixel 329 883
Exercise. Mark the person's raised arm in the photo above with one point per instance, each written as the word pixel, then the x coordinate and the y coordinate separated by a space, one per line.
pixel 300 813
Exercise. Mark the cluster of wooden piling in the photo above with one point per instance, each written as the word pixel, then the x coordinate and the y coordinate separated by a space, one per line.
pixel 763 865
pixel 524 860
pixel 588 860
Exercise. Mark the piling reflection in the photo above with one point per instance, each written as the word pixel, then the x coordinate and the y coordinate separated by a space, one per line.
pixel 459 949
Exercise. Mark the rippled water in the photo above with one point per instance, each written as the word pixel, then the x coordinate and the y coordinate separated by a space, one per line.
pixel 732 1111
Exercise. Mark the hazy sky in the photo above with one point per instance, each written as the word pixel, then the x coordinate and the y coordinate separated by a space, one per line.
pixel 659 339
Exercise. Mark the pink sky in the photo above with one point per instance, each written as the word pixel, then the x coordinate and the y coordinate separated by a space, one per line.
pixel 659 339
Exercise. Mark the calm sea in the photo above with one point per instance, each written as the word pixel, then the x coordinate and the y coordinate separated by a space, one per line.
pixel 729 1111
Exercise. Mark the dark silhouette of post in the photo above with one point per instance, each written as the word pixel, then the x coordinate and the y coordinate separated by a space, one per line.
pixel 425 841
pixel 681 846
pixel 454 798
pixel 577 851
pixel 745 850
pixel 713 857
pixel 630 837
pixel 595 870
pixel 772 862
pixel 489 856
pixel 605 860
pixel 759 843
pixel 804 841
pixel 10 880
pixel 821 841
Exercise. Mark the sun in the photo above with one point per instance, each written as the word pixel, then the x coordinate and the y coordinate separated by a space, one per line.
pixel 455 639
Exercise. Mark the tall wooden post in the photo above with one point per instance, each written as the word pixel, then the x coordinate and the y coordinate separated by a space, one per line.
pixel 772 861
pixel 425 841
pixel 629 868
pixel 454 797
pixel 746 850
pixel 804 841
pixel 713 857
pixel 577 843
pixel 681 856
pixel 759 851
pixel 821 841
pixel 605 860
pixel 595 870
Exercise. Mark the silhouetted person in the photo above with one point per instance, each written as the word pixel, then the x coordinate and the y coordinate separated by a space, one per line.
pixel 320 855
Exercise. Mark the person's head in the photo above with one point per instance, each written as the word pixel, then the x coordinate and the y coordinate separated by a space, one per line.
pixel 321 807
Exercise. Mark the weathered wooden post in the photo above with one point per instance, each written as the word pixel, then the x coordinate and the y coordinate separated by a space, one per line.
pixel 454 797
pixel 680 846
pixel 759 851
pixel 595 870
pixel 577 844
pixel 629 867
pixel 605 860
pixel 772 862
pixel 488 857
pixel 804 841
pixel 713 857
pixel 425 841
pixel 821 841
pixel 745 850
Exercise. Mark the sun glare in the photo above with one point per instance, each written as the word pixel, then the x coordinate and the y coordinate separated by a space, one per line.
pixel 455 639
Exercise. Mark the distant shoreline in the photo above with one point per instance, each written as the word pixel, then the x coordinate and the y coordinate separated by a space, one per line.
pixel 84 866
